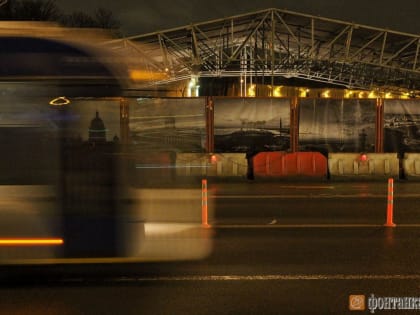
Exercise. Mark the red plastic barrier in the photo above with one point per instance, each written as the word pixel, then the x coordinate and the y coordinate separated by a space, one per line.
pixel 312 164
pixel 268 164
pixel 291 165
pixel 281 164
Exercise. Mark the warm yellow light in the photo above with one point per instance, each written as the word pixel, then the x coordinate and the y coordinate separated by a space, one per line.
pixel 31 241
pixel 326 94
pixel 192 83
pixel 361 94
pixel 303 92
pixel 141 75
pixel 251 90
pixel 388 95
pixel 372 94
pixel 277 92
pixel 348 94
pixel 60 101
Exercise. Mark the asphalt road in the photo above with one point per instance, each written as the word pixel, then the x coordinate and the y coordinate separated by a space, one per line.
pixel 278 248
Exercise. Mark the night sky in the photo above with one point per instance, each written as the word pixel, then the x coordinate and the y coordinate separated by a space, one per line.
pixel 139 17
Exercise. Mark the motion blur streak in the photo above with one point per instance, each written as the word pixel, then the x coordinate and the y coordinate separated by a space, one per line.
pixel 70 191
pixel 31 242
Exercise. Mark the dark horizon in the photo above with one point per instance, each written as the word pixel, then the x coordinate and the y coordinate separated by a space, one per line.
pixel 137 18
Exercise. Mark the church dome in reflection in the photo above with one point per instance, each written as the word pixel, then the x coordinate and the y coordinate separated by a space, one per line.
pixel 97 130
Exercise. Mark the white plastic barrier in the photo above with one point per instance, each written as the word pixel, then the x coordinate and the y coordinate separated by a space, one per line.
pixel 203 164
pixel 363 166
pixel 411 165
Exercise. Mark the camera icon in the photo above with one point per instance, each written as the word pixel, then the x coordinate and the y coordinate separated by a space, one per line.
pixel 357 303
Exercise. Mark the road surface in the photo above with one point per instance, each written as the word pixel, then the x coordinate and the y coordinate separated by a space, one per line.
pixel 278 248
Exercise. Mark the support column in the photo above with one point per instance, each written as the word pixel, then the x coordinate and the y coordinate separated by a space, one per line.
pixel 209 124
pixel 294 124
pixel 379 126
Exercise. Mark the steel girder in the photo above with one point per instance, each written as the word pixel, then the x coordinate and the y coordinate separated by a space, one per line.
pixel 279 43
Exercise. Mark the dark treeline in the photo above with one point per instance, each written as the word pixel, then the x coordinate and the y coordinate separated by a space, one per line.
pixel 47 10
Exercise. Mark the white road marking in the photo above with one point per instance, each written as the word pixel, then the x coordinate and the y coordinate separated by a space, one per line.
pixel 270 277
pixel 280 226
pixel 306 196
pixel 306 187
pixel 286 226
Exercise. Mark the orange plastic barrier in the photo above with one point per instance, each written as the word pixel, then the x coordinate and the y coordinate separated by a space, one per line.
pixel 282 164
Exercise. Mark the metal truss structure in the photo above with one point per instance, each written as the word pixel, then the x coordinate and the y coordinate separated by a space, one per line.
pixel 277 43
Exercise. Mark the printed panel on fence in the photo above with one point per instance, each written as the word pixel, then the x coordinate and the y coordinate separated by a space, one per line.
pixel 337 125
pixel 244 124
pixel 401 126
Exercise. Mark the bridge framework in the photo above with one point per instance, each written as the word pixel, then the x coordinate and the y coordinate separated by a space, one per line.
pixel 276 46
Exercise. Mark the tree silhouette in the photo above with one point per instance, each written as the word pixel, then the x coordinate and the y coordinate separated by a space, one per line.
pixel 105 19
pixel 4 9
pixel 102 18
pixel 30 10
pixel 47 10
pixel 78 19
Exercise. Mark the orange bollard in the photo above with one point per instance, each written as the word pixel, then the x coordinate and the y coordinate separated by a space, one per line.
pixel 204 210
pixel 390 207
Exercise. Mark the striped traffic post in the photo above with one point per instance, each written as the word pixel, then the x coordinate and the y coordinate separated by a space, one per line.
pixel 390 206
pixel 204 208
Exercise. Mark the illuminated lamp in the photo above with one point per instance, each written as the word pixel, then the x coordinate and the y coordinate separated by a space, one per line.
pixel 277 91
pixel 213 158
pixel 372 94
pixel 193 87
pixel 363 157
pixel 348 94
pixel 326 94
pixel 59 101
pixel 251 90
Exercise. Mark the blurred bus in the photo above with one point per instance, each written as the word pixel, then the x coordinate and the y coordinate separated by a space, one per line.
pixel 66 189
